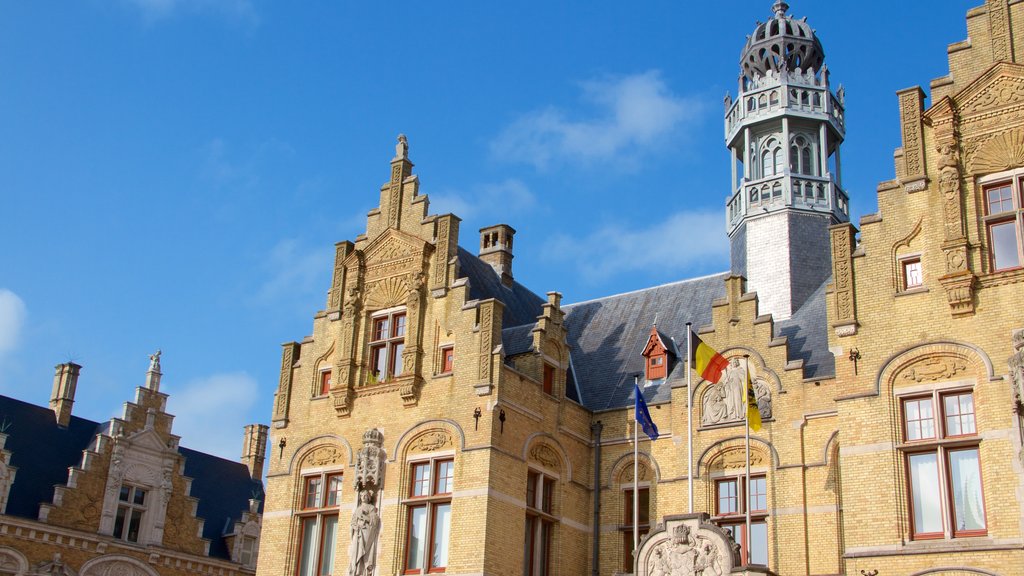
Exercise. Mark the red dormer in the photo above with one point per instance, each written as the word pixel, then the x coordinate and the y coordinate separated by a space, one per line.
pixel 656 356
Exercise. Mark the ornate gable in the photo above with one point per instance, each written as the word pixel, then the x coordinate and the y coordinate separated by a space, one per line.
pixel 394 253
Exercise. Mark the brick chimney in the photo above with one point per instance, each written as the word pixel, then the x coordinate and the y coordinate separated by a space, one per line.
pixel 496 250
pixel 65 380
pixel 254 449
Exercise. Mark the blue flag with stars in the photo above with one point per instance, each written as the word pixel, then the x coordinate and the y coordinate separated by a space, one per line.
pixel 643 416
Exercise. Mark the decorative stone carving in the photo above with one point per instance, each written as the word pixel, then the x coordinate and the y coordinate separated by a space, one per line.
pixel 735 458
pixel 12 562
pixel 55 567
pixel 284 388
pixel 370 460
pixel 724 401
pixel 686 546
pixel 911 102
pixel 387 293
pixel 998 153
pixel 642 472
pixel 545 456
pixel 431 441
pixel 932 369
pixel 324 456
pixel 365 526
pixel 1016 363
pixel 842 283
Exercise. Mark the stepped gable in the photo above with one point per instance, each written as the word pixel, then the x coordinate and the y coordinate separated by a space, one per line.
pixel 807 335
pixel 42 453
pixel 223 488
pixel 607 336
pixel 522 306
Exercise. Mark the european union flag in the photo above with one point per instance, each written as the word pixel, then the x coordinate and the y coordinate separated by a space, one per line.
pixel 643 417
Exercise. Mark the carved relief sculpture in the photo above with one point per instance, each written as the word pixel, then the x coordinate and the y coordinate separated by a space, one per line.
pixel 365 523
pixel 724 401
pixel 686 553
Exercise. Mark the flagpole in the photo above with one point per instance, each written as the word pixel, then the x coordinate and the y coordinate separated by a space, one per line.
pixel 636 468
pixel 746 420
pixel 689 415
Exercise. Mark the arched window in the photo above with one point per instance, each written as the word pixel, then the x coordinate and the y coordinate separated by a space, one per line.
pixel 767 164
pixel 773 99
pixel 762 101
pixel 805 161
pixel 776 190
pixel 771 158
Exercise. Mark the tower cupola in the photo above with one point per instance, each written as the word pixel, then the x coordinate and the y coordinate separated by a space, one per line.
pixel 784 131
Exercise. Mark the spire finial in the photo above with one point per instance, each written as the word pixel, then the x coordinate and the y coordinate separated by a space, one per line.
pixel 780 8
pixel 153 374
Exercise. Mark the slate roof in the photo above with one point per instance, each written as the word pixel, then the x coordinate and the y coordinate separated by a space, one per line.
pixel 42 452
pixel 522 306
pixel 608 335
pixel 807 331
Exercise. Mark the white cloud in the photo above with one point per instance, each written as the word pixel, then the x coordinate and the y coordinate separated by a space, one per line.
pixel 634 115
pixel 682 240
pixel 211 412
pixel 292 269
pixel 12 317
pixel 484 200
pixel 237 11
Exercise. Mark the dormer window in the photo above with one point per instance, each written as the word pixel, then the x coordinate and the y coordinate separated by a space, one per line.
pixel 655 357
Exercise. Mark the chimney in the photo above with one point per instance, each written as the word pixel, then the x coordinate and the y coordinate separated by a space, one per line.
pixel 496 250
pixel 254 449
pixel 65 380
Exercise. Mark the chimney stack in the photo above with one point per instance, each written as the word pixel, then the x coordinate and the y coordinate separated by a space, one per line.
pixel 65 380
pixel 496 250
pixel 254 449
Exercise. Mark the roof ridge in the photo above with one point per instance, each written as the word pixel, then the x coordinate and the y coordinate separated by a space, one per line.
pixel 674 282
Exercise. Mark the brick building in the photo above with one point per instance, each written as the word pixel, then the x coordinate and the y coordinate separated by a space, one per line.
pixel 443 417
pixel 122 497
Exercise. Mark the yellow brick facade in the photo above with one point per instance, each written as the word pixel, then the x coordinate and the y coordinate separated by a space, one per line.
pixel 834 452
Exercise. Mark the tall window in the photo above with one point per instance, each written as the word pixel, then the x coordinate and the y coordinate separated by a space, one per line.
pixel 387 341
pixel 771 158
pixel 801 157
pixel 1003 221
pixel 321 496
pixel 429 520
pixel 946 497
pixel 643 522
pixel 131 506
pixel 540 524
pixel 730 514
pixel 549 379
pixel 324 387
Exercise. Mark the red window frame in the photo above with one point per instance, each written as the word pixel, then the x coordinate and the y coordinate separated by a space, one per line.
pixel 1014 187
pixel 325 382
pixel 917 423
pixel 540 522
pixel 549 379
pixel 657 366
pixel 643 523
pixel 941 445
pixel 447 359
pixel 429 492
pixel 318 511
pixel 905 275
pixel 387 340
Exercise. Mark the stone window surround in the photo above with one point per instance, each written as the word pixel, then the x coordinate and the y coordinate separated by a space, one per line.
pixel 430 501
pixel 1016 180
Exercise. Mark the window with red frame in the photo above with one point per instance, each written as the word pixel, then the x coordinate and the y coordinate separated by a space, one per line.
pixel 318 523
pixel 429 516
pixel 643 522
pixel 1003 221
pixel 942 466
pixel 549 379
pixel 325 382
pixel 447 359
pixel 730 514
pixel 911 276
pixel 656 366
pixel 387 342
pixel 540 523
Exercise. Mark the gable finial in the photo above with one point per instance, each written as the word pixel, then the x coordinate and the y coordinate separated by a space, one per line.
pixel 780 8
pixel 402 148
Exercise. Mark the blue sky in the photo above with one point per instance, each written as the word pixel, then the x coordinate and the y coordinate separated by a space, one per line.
pixel 174 173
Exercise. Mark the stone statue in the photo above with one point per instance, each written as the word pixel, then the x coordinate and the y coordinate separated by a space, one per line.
pixel 402 148
pixel 764 399
pixel 154 362
pixel 947 157
pixel 715 410
pixel 735 393
pixel 362 552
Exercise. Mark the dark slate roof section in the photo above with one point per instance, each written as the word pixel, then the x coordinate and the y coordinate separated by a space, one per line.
pixel 223 488
pixel 41 451
pixel 517 339
pixel 807 332
pixel 521 305
pixel 607 336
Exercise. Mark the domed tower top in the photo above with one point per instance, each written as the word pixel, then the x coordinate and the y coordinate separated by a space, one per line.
pixel 781 43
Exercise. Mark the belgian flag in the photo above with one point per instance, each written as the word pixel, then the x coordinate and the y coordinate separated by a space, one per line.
pixel 753 413
pixel 706 361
